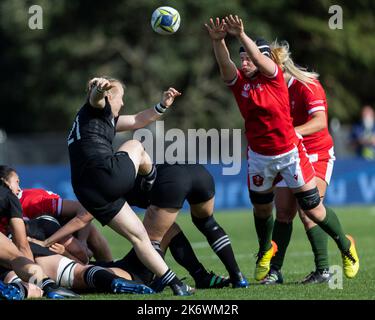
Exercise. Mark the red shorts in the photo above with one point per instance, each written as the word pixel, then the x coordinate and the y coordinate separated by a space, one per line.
pixel 322 162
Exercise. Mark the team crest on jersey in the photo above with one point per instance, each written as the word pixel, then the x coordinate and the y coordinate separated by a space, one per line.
pixel 245 91
pixel 295 177
pixel 258 180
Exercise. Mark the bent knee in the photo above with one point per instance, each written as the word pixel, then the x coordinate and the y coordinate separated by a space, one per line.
pixel 132 146
pixel 308 200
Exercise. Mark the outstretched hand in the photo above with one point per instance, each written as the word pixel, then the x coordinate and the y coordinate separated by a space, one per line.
pixel 234 25
pixel 169 96
pixel 216 30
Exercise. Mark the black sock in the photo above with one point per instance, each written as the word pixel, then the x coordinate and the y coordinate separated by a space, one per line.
pixel 183 253
pixel 48 283
pixel 169 278
pixel 149 179
pixel 219 242
pixel 133 265
pixel 99 278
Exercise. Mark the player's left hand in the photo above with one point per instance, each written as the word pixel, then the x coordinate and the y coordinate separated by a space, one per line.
pixel 234 25
pixel 169 96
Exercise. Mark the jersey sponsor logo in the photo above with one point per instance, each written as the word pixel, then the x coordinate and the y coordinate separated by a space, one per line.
pixel 258 180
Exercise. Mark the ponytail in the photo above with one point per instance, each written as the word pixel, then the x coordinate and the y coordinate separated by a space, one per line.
pixel 282 56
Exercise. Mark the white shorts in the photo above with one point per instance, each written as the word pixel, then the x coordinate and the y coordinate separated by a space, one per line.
pixel 322 162
pixel 265 171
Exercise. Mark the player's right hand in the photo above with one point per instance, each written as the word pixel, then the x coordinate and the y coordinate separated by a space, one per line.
pixel 101 84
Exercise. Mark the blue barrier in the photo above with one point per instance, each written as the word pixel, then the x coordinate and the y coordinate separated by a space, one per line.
pixel 353 182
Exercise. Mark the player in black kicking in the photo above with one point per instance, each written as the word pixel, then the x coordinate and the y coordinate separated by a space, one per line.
pixel 101 177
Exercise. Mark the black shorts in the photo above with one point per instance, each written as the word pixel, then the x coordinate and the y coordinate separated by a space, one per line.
pixel 175 183
pixel 103 184
pixel 39 251
pixel 132 265
pixel 42 227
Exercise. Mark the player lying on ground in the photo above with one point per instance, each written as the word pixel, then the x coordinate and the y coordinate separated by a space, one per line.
pixel 70 274
pixel 173 185
pixel 88 242
pixel 17 255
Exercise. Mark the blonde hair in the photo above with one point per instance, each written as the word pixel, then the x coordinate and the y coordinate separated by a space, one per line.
pixel 282 56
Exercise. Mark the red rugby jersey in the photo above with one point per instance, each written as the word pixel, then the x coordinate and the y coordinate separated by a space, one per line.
pixel 304 101
pixel 36 202
pixel 264 104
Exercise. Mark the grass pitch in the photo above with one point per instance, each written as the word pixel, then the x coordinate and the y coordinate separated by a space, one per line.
pixel 357 221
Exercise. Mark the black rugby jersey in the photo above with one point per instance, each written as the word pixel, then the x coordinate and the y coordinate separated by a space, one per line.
pixel 10 207
pixel 91 136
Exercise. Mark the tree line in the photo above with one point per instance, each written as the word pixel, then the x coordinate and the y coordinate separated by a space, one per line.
pixel 44 71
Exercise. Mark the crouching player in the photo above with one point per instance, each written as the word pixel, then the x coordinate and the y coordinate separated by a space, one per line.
pixel 173 185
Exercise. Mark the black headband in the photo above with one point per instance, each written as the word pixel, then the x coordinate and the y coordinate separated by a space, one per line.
pixel 262 45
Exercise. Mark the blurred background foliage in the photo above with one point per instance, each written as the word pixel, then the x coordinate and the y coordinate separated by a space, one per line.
pixel 44 72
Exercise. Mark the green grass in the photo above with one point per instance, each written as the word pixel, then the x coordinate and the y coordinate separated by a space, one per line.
pixel 358 221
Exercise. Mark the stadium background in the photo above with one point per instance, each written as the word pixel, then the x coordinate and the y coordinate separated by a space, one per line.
pixel 44 74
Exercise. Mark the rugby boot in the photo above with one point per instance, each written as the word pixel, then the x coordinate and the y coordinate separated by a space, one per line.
pixel 10 292
pixel 239 281
pixel 317 276
pixel 211 281
pixel 273 277
pixel 263 262
pixel 121 285
pixel 350 260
